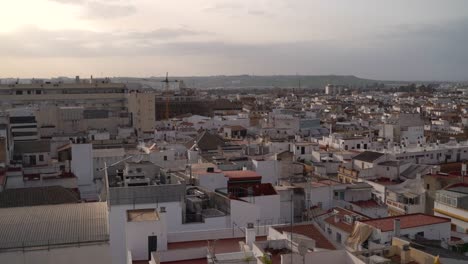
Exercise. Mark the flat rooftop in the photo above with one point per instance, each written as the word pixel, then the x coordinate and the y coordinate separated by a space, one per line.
pixel 227 245
pixel 310 231
pixel 142 215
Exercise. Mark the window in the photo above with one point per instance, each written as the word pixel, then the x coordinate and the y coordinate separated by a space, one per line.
pixel 358 146
pixel 388 168
pixel 165 157
pixel 41 157
pixel 329 231
pixel 427 186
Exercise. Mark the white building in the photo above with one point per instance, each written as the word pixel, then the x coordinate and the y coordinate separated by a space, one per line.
pixel 382 230
pixel 452 203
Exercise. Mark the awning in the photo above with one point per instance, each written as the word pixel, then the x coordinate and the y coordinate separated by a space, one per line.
pixel 361 232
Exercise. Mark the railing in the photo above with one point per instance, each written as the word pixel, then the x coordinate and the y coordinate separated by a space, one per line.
pixel 396 204
pixel 53 242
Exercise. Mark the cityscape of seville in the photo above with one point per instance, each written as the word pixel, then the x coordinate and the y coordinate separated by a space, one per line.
pixel 234 132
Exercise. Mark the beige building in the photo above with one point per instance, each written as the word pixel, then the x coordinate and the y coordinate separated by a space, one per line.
pixel 142 109
pixel 62 108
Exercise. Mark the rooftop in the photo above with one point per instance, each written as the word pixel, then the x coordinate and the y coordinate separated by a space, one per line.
pixel 53 225
pixel 366 204
pixel 226 245
pixel 368 156
pixel 308 230
pixel 242 174
pixel 142 215
pixel 37 196
pixel 406 221
pixel 341 224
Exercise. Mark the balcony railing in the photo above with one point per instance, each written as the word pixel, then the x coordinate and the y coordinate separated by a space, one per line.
pixel 397 205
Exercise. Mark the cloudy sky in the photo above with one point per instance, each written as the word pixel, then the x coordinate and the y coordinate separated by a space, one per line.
pixel 397 39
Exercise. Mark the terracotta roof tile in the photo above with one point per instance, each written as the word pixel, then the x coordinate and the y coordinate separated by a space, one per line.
pixel 406 221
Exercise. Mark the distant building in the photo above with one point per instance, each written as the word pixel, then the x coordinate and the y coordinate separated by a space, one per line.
pixel 332 89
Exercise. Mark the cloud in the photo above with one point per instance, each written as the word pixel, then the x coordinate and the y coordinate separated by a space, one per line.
pixel 166 33
pixel 224 6
pixel 30 41
pixel 70 2
pixel 235 8
pixel 405 52
pixel 101 10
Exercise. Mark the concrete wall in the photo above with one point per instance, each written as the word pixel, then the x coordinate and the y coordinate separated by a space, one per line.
pixel 82 163
pixel 437 232
pixel 137 234
pixel 358 195
pixel 258 210
pixel 84 254
pixel 212 181
pixel 440 209
pixel 268 169
pixel 118 225
pixel 183 254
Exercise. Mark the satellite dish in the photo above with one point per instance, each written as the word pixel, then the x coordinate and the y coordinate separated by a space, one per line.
pixel 302 248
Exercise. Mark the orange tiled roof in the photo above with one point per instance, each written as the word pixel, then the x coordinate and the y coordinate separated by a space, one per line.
pixel 406 221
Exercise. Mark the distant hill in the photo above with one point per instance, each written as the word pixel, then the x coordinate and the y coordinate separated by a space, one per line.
pixel 245 81
pixel 251 81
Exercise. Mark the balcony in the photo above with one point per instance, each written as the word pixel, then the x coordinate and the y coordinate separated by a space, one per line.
pixel 399 207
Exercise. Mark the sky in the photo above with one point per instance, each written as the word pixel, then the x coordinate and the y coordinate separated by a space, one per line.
pixel 375 39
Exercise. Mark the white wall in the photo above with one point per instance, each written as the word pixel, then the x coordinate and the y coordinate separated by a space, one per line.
pixel 358 195
pixel 266 209
pixel 462 226
pixel 82 163
pixel 268 169
pixel 118 224
pixel 243 213
pixel 437 232
pixel 212 181
pixel 137 234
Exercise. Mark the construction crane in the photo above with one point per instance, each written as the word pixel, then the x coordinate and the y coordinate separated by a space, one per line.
pixel 167 94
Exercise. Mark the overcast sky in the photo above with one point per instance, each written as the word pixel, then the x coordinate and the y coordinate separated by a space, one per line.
pixel 386 40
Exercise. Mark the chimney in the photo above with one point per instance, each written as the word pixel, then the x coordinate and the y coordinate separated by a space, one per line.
pixel 337 218
pixel 396 227
pixel 250 235
pixel 77 79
